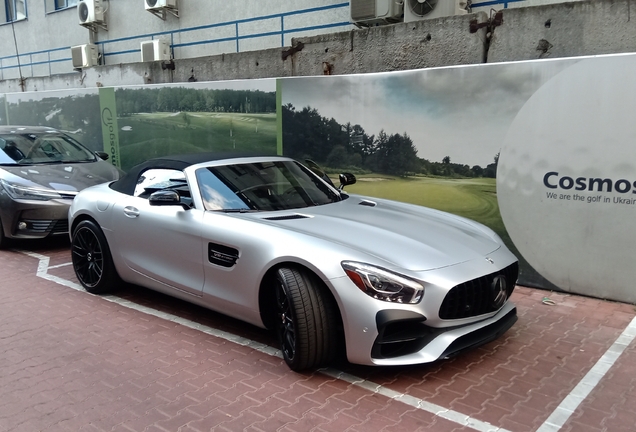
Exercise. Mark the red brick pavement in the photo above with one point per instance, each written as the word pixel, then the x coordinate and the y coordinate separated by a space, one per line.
pixel 70 361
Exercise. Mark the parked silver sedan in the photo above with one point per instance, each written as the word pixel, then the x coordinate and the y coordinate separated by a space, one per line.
pixel 266 240
pixel 41 171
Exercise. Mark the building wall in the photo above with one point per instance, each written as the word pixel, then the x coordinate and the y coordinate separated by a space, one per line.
pixel 213 40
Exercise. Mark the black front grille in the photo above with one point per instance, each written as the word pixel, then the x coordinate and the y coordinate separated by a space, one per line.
pixel 41 226
pixel 475 297
pixel 60 227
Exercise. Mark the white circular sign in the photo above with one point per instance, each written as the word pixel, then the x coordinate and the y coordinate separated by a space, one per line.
pixel 566 180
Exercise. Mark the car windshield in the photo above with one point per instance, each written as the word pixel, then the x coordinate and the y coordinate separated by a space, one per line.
pixel 37 148
pixel 266 186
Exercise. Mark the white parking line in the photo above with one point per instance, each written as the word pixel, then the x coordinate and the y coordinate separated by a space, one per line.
pixel 563 412
pixel 439 411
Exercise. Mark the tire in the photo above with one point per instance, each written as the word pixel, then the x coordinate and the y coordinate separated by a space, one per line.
pixel 306 320
pixel 91 258
pixel 3 239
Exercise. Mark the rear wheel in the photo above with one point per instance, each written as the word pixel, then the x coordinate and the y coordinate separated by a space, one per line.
pixel 306 319
pixel 91 258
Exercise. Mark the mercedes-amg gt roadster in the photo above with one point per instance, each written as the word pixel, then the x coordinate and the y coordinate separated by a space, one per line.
pixel 274 243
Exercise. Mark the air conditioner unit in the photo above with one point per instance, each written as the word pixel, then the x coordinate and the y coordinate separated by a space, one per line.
pixel 373 12
pixel 160 7
pixel 160 4
pixel 84 56
pixel 415 10
pixel 90 12
pixel 155 50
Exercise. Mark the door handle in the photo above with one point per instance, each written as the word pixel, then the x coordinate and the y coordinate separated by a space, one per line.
pixel 131 212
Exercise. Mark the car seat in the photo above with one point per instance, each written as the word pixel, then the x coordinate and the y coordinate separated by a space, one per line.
pixel 13 152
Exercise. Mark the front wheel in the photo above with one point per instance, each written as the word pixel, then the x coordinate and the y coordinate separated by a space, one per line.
pixel 3 239
pixel 91 258
pixel 306 320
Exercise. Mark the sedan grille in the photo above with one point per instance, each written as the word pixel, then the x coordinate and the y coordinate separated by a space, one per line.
pixel 41 226
pixel 477 297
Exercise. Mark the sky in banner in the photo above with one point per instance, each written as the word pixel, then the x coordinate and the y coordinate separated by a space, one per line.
pixel 461 112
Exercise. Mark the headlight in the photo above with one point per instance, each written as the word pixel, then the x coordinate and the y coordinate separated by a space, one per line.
pixel 18 191
pixel 383 284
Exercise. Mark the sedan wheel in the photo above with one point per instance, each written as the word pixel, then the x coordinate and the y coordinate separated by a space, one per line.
pixel 3 239
pixel 91 258
pixel 306 320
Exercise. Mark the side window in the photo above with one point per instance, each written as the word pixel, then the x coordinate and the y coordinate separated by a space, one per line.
pixel 154 180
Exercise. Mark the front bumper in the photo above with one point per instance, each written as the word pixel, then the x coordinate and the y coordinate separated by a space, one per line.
pixel 423 344
pixel 42 218
pixel 455 314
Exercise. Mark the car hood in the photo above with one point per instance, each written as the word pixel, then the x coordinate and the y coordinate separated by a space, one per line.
pixel 406 236
pixel 64 176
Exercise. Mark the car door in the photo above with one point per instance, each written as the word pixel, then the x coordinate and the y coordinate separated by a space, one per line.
pixel 162 244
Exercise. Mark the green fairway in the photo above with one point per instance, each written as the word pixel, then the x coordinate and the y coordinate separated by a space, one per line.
pixel 143 136
pixel 472 198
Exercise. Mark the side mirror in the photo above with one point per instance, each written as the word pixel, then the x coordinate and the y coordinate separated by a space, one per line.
pixel 166 198
pixel 346 179
pixel 102 155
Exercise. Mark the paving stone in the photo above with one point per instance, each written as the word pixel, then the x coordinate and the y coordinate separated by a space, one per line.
pixel 73 361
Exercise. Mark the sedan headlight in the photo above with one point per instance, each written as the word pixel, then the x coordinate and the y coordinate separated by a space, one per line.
pixel 19 191
pixel 383 284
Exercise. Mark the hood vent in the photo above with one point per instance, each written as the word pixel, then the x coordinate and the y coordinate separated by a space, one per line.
pixel 367 203
pixel 287 217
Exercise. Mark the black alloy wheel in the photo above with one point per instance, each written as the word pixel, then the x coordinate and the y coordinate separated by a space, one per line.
pixel 286 324
pixel 305 319
pixel 91 258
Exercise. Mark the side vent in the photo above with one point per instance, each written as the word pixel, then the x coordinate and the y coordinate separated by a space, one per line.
pixel 155 50
pixel 223 256
pixel 84 56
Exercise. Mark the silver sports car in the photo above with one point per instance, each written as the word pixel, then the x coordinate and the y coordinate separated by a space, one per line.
pixel 41 171
pixel 268 241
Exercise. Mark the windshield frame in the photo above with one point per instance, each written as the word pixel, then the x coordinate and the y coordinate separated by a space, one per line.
pixel 27 148
pixel 263 184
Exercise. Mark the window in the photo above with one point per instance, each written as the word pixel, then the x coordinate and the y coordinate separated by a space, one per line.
pixel 63 4
pixel 263 186
pixel 14 10
pixel 56 5
pixel 158 179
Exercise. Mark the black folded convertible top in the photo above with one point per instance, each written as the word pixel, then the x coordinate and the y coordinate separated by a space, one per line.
pixel 127 183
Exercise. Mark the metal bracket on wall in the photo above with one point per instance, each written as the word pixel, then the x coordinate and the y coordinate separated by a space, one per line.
pixel 293 50
pixel 162 13
pixel 493 21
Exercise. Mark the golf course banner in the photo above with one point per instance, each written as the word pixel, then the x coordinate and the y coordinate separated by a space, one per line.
pixel 567 178
pixel 110 131
pixel 539 151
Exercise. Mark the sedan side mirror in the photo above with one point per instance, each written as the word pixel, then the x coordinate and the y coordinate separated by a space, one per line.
pixel 346 179
pixel 102 155
pixel 166 198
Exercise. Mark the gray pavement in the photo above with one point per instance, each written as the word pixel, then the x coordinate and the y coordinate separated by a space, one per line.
pixel 141 361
